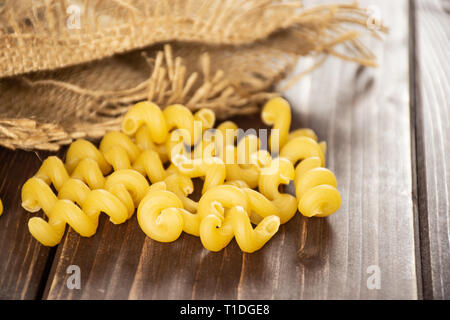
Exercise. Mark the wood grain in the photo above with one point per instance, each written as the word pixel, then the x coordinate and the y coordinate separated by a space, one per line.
pixel 23 261
pixel 432 23
pixel 363 114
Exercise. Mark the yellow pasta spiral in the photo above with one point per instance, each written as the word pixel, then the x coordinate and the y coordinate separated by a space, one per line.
pixel 122 192
pixel 316 189
pixel 119 150
pixel 220 221
pixel 315 186
pixel 37 194
pixel 161 215
pixel 212 168
pixel 277 112
pixel 280 171
pixel 83 149
pixel 53 171
pixel 242 168
pixel 149 114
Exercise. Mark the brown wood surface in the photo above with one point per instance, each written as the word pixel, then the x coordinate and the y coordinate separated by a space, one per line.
pixel 387 144
pixel 432 28
pixel 364 116
pixel 23 261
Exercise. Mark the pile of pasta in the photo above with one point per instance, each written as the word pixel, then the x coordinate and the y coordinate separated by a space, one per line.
pixel 149 166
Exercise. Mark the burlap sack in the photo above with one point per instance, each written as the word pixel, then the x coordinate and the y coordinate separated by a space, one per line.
pixel 71 69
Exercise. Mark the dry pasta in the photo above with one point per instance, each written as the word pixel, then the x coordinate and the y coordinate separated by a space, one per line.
pixel 280 171
pixel 242 168
pixel 161 215
pixel 315 186
pixel 241 195
pixel 277 112
pixel 212 168
pixel 149 114
pixel 316 189
pixel 119 150
pixel 224 214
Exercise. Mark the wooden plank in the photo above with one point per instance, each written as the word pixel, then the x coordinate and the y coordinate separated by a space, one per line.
pixel 23 262
pixel 433 143
pixel 363 114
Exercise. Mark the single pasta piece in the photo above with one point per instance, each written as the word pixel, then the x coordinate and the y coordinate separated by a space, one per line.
pixel 215 228
pixel 237 183
pixel 74 190
pixel 1 207
pixel 149 163
pixel 302 132
pixel 316 189
pixel 160 214
pixel 280 171
pixel 204 119
pixel 83 149
pixel 146 113
pixel 53 171
pixel 119 150
pixel 182 186
pixel 212 168
pixel 180 117
pixel 216 232
pixel 89 172
pixel 100 200
pixel 129 186
pixel 243 166
pixel 36 194
pixel 249 239
pixel 277 112
pixel 301 148
pixel 175 144
pixel 144 142
pixel 261 207
pixel 224 135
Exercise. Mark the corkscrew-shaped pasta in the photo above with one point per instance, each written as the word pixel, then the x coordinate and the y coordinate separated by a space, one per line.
pixel 149 114
pixel 277 112
pixel 242 167
pixel 215 227
pixel 182 186
pixel 179 117
pixel 315 186
pixel 220 222
pixel 119 150
pixel 82 149
pixel 218 140
pixel 129 186
pixel 124 190
pixel 161 215
pixel 37 194
pixel 53 171
pixel 248 238
pixel 212 168
pixel 144 142
pixel 316 189
pixel 300 148
pixel 149 163
pixel 280 171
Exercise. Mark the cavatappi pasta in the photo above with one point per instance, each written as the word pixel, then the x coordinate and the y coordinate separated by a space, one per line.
pixel 148 168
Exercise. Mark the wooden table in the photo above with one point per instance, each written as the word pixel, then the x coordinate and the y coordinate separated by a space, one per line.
pixel 388 140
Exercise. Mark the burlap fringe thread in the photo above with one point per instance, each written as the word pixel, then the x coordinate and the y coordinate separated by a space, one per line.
pixel 246 47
